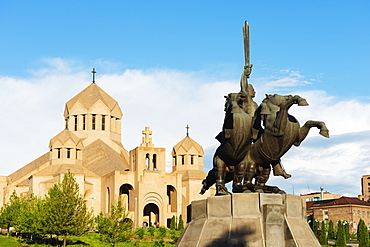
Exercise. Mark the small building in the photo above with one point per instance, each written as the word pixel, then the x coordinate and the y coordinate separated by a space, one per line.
pixel 350 209
pixel 318 196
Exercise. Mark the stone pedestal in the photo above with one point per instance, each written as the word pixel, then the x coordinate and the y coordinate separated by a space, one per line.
pixel 253 220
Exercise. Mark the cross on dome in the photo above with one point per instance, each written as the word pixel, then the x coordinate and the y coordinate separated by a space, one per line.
pixel 146 139
pixel 187 130
pixel 93 72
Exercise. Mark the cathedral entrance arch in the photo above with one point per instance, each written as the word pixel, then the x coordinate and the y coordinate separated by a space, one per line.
pixel 151 214
pixel 126 193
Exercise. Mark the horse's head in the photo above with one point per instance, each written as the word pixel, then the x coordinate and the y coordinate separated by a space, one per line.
pixel 238 98
pixel 275 101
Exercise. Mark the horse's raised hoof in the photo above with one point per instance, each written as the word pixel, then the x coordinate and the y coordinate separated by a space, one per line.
pixel 202 191
pixel 221 190
pixel 204 187
pixel 324 133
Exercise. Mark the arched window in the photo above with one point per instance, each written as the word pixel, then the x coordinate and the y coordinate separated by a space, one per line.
pixel 58 153
pixel 108 201
pixel 182 159
pixel 125 191
pixel 147 161
pixel 172 197
pixel 68 153
pixel 192 159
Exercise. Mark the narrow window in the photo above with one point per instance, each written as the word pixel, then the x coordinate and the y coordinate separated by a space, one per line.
pixel 83 122
pixel 175 158
pixel 77 152
pixel 58 153
pixel 182 159
pixel 103 122
pixel 147 161
pixel 192 159
pixel 154 162
pixel 68 153
pixel 76 121
pixel 93 121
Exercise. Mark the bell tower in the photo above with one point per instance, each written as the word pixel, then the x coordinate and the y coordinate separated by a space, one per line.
pixel 146 157
pixel 187 155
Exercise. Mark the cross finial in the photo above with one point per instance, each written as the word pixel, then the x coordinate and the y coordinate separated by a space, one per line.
pixel 93 72
pixel 187 130
pixel 147 140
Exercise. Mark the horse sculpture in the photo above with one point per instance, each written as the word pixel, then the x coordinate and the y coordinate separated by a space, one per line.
pixel 229 161
pixel 281 131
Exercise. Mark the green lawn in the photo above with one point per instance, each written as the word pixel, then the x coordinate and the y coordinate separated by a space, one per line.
pixel 8 242
pixel 90 239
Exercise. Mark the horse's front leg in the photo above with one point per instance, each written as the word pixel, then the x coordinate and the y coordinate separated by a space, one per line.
pixel 239 172
pixel 303 132
pixel 262 178
pixel 220 172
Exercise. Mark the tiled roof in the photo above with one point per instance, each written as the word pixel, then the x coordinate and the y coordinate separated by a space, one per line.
pixel 187 145
pixel 30 168
pixel 90 95
pixel 340 201
pixel 101 159
pixel 64 136
pixel 54 170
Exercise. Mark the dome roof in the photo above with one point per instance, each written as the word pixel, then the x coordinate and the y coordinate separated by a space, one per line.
pixel 89 96
pixel 187 146
pixel 66 137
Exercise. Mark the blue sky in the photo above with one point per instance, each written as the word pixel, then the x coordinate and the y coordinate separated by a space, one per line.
pixel 190 54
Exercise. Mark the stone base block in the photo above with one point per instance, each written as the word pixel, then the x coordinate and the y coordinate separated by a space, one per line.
pixel 253 220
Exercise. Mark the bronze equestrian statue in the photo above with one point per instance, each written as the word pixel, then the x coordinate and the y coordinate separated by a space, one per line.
pixel 281 131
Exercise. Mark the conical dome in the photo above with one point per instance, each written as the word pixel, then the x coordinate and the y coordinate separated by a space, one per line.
pixel 90 96
pixel 187 146
pixel 65 138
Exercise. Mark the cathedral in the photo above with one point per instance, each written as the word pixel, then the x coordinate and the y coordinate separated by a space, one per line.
pixel 90 148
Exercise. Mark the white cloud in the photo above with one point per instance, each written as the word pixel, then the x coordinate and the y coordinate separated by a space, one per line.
pixel 168 100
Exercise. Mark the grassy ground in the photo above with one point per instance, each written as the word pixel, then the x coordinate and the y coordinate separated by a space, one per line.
pixel 8 242
pixel 148 239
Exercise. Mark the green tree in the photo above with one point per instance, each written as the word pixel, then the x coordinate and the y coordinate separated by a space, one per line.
pixel 65 212
pixel 173 223
pixel 11 213
pixel 8 213
pixel 362 234
pixel 180 226
pixel 116 227
pixel 341 236
pixel 315 227
pixel 331 232
pixel 323 237
pixel 346 230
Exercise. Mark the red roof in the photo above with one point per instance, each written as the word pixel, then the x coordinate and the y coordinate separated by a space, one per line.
pixel 340 201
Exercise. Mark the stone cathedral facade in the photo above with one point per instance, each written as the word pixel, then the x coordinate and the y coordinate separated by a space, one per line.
pixel 90 148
